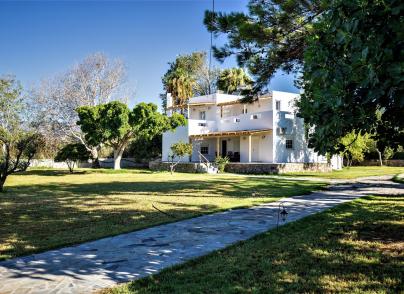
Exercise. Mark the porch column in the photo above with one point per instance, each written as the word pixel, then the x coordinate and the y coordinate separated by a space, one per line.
pixel 217 146
pixel 190 156
pixel 249 148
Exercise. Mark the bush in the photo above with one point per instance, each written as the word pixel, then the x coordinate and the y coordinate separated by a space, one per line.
pixel 221 162
pixel 71 154
pixel 398 155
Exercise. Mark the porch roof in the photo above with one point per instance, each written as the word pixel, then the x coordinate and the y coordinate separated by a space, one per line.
pixel 231 133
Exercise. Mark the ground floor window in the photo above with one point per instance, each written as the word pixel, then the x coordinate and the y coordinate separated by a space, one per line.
pixel 204 150
pixel 289 144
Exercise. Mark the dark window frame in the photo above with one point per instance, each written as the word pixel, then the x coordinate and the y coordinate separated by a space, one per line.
pixel 204 150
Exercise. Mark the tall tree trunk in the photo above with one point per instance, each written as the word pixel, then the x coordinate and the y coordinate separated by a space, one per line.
pixel 2 182
pixel 380 157
pixel 117 157
pixel 94 158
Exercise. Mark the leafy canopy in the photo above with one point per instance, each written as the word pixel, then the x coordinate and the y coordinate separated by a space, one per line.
pixel 73 153
pixel 115 125
pixel 18 144
pixel 233 79
pixel 269 37
pixel 181 149
pixel 353 74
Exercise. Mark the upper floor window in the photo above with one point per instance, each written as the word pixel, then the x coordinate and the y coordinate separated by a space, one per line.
pixel 278 105
pixel 202 115
pixel 244 111
pixel 289 144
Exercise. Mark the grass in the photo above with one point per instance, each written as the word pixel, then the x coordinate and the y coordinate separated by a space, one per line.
pixel 44 209
pixel 353 172
pixel 399 178
pixel 357 247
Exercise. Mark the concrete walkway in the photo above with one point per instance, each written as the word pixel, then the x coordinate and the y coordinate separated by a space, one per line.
pixel 103 263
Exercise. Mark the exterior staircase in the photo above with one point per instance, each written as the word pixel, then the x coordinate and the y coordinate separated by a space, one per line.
pixel 205 166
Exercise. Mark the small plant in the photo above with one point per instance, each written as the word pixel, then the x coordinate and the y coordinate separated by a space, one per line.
pixel 221 162
pixel 178 151
pixel 72 154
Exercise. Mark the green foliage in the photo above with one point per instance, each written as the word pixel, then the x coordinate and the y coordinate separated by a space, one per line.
pixel 388 153
pixel 72 154
pixel 11 102
pixel 355 146
pixel 269 37
pixel 353 74
pixel 115 125
pixel 233 80
pixel 181 149
pixel 221 162
pixel 18 144
pixel 143 150
pixel 180 78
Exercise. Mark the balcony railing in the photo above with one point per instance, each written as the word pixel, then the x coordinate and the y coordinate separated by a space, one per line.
pixel 248 121
pixel 197 127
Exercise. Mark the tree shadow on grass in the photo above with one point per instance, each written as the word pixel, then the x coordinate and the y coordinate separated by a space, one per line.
pixel 141 254
pixel 43 216
pixel 324 253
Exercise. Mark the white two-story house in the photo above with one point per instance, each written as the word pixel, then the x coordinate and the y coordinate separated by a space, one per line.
pixel 265 131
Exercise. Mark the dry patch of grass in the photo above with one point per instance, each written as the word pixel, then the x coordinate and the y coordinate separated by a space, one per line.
pixel 357 247
pixel 44 209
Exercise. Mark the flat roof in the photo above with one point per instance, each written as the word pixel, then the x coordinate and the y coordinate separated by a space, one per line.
pixel 231 133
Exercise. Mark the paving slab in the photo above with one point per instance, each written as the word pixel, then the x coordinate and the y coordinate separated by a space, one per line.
pixel 103 263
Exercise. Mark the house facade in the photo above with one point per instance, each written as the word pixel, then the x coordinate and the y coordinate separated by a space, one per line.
pixel 265 131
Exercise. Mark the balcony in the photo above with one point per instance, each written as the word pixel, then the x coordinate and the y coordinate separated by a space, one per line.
pixel 242 122
pixel 248 121
pixel 198 127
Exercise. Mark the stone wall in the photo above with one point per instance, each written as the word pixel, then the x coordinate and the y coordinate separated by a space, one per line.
pixel 374 162
pixel 182 167
pixel 246 168
pixel 276 168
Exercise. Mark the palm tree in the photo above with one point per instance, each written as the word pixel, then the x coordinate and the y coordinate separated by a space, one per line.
pixel 233 80
pixel 181 86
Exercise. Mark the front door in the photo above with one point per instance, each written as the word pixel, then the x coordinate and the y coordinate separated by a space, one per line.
pixel 224 148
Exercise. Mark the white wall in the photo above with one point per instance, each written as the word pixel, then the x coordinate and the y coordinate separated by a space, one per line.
pixel 261 148
pixel 245 122
pixel 197 144
pixel 210 111
pixel 169 138
pixel 285 118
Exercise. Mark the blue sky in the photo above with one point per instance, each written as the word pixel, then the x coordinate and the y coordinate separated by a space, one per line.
pixel 43 38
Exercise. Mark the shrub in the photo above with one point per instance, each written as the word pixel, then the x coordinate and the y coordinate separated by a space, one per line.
pixel 221 162
pixel 71 154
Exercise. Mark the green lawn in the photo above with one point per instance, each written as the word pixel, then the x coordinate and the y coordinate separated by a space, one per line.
pixel 399 178
pixel 357 247
pixel 44 209
pixel 353 172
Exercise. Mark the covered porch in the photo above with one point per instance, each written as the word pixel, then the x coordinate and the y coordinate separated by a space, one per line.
pixel 247 146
